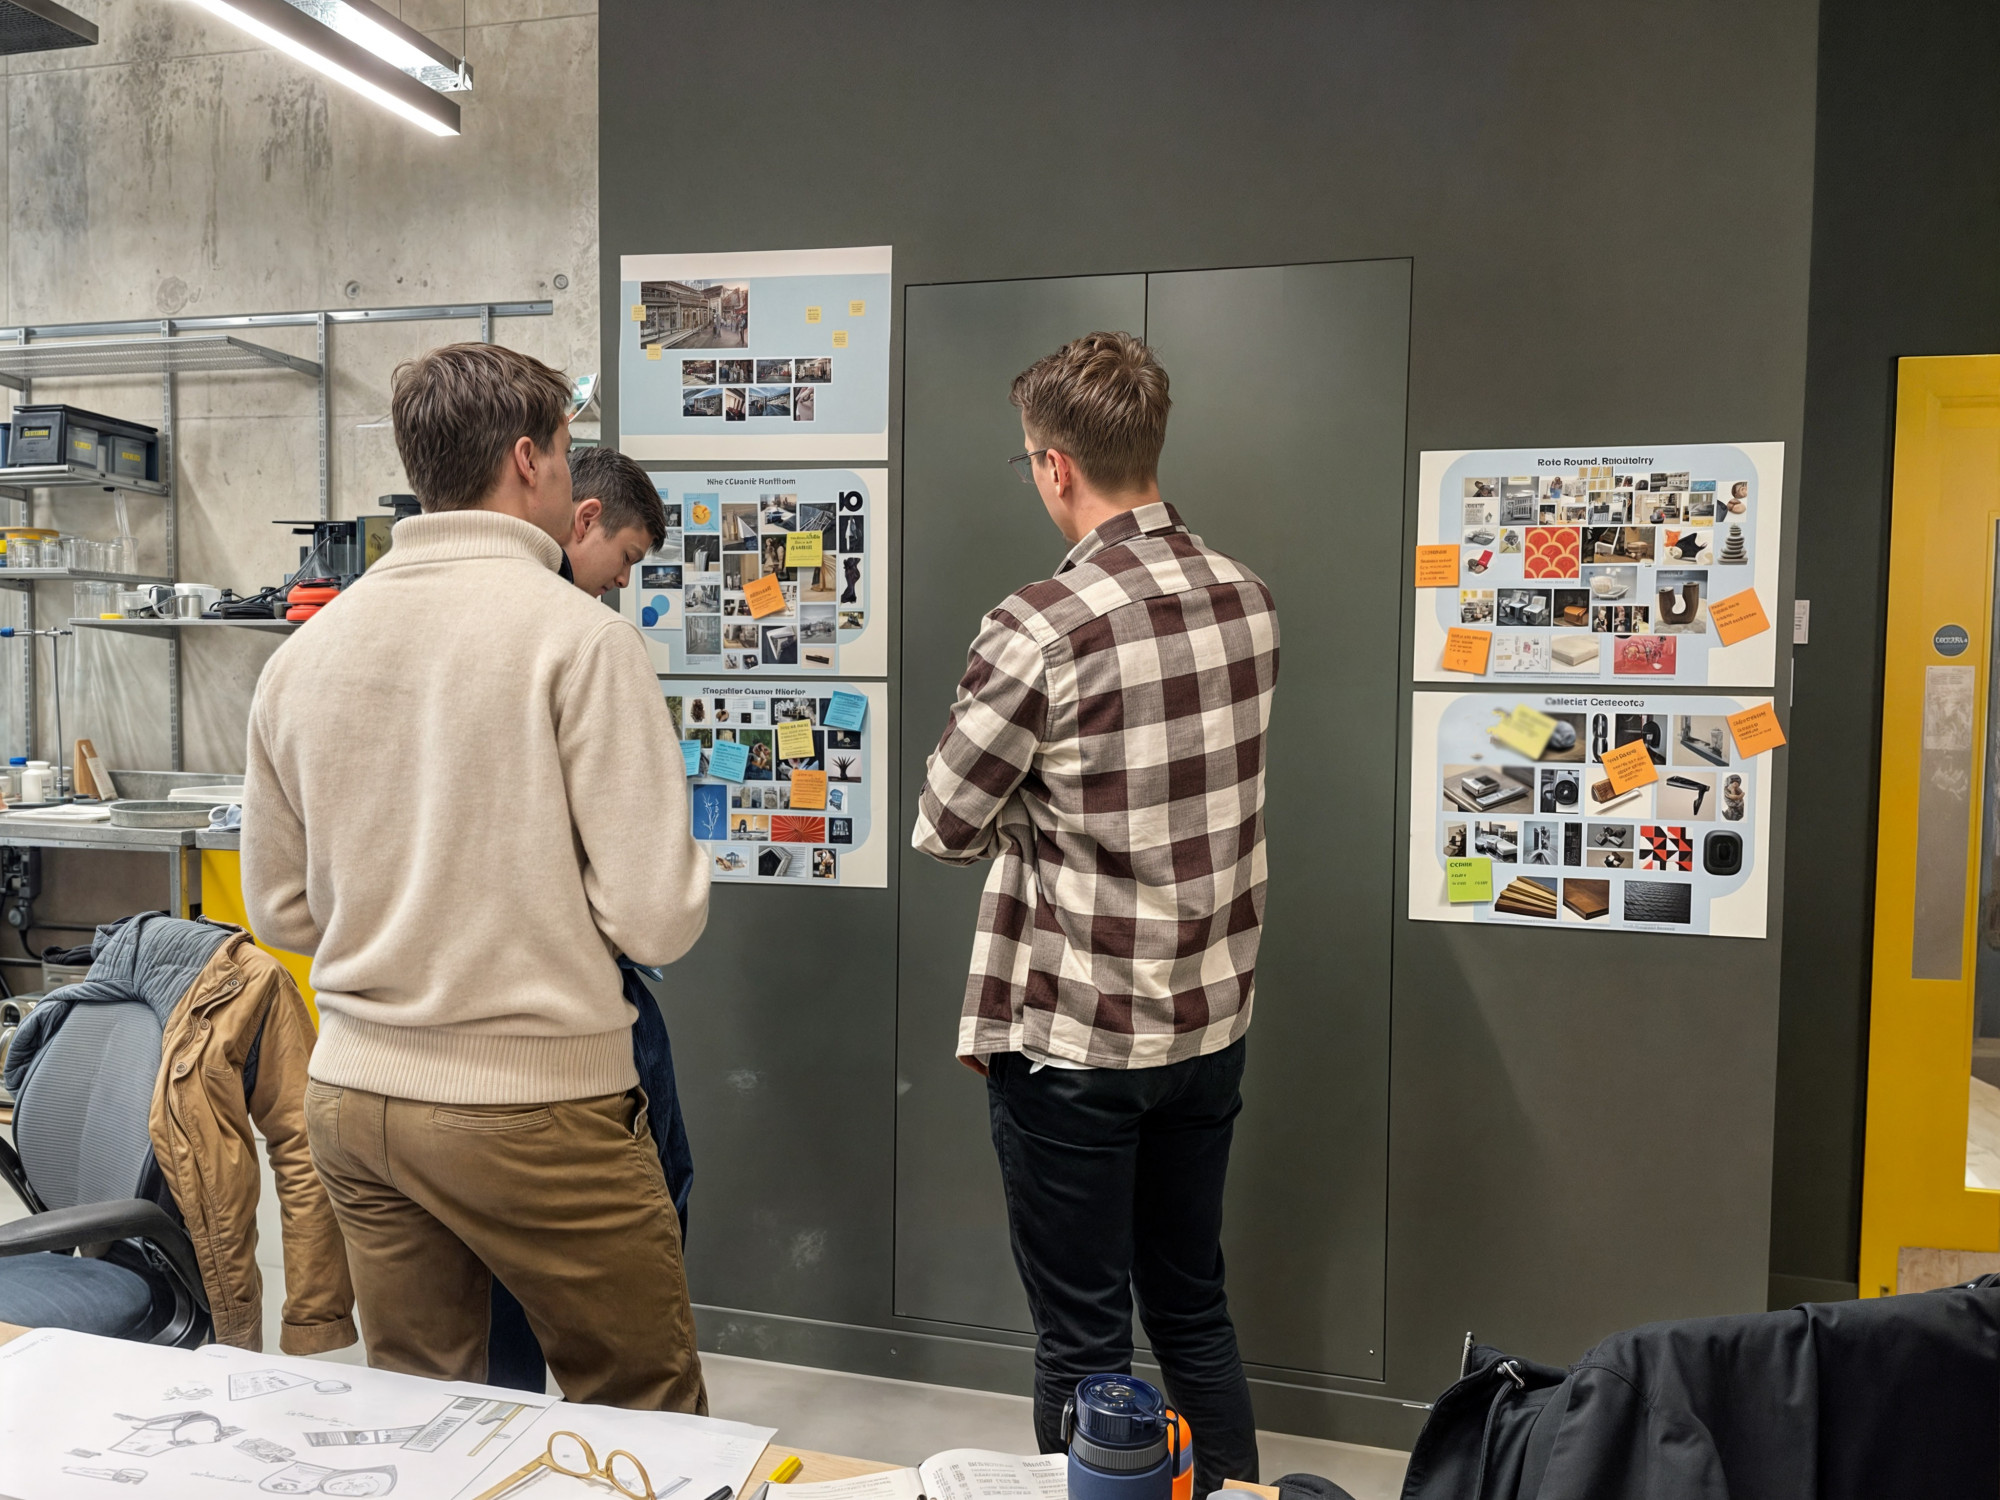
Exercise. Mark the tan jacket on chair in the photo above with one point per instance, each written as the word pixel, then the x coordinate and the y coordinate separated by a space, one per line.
pixel 202 1136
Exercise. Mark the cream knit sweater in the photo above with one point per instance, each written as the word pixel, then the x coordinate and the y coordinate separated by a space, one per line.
pixel 464 800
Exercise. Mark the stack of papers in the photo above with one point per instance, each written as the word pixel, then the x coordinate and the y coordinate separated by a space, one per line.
pixel 80 1414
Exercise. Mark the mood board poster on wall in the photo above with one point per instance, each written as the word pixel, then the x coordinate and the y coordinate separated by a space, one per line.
pixel 1622 565
pixel 765 354
pixel 766 572
pixel 782 778
pixel 1675 844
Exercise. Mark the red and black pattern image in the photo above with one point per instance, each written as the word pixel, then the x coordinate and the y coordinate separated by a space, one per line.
pixel 1665 846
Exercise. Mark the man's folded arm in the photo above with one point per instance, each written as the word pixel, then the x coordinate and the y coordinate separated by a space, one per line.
pixel 998 722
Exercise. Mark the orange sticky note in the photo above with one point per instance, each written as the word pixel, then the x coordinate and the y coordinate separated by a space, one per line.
pixel 765 595
pixel 1756 730
pixel 840 338
pixel 1437 567
pixel 1465 650
pixel 808 789
pixel 1739 617
pixel 1629 766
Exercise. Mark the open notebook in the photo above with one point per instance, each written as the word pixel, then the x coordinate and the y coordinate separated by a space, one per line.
pixel 955 1474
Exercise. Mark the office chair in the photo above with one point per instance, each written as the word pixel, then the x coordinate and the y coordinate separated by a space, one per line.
pixel 83 1164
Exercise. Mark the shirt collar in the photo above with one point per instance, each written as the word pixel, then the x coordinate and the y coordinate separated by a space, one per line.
pixel 1156 519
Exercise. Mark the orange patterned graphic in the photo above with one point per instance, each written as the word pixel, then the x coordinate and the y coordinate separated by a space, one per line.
pixel 1551 552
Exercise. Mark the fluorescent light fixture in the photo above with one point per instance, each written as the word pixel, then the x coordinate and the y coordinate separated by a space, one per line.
pixel 357 43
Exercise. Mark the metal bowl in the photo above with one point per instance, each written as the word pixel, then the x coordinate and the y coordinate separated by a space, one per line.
pixel 158 815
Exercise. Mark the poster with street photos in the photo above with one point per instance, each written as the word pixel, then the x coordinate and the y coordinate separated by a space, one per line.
pixel 1603 564
pixel 727 530
pixel 1682 855
pixel 750 827
pixel 759 356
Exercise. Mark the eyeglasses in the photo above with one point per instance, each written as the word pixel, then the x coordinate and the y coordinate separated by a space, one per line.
pixel 569 1454
pixel 1023 464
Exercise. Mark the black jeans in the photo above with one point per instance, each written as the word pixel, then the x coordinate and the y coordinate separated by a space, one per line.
pixel 1114 1187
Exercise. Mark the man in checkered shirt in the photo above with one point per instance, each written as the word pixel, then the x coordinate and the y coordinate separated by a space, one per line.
pixel 1106 751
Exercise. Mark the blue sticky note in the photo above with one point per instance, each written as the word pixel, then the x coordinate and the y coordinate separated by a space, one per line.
pixel 728 760
pixel 846 711
pixel 691 753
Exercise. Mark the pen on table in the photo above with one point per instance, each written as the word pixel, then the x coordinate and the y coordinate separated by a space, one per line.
pixel 724 1493
pixel 785 1473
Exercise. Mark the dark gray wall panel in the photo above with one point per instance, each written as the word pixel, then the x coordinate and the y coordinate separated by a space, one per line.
pixel 1285 449
pixel 1631 271
pixel 1906 233
pixel 972 535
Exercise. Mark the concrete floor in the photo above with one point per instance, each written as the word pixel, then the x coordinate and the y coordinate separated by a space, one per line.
pixel 897 1421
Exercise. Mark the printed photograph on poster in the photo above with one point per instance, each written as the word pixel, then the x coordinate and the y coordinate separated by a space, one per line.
pixel 1604 563
pixel 1566 848
pixel 781 776
pixel 767 354
pixel 693 600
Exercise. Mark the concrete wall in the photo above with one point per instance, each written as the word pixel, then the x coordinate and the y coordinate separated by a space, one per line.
pixel 180 168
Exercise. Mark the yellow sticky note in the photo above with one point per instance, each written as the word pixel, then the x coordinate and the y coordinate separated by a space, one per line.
pixel 1756 730
pixel 795 741
pixel 802 548
pixel 1738 617
pixel 808 790
pixel 840 338
pixel 1437 567
pixel 1629 766
pixel 638 312
pixel 857 309
pixel 765 596
pixel 812 315
pixel 1466 650
pixel 1525 730
pixel 653 352
pixel 1469 879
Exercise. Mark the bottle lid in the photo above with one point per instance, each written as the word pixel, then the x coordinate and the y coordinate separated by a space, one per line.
pixel 1120 1411
pixel 17 760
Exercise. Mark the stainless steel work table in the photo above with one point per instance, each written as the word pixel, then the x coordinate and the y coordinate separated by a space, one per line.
pixel 23 831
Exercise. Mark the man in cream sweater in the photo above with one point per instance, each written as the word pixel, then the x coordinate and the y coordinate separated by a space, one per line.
pixel 465 801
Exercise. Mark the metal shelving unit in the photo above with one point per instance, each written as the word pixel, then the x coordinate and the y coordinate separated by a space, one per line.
pixel 21 578
pixel 158 354
pixel 16 482
pixel 168 630
pixel 166 348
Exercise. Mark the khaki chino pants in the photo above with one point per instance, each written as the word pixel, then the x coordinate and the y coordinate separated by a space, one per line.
pixel 564 1202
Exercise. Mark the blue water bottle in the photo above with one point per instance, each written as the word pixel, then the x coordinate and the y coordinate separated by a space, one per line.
pixel 1120 1447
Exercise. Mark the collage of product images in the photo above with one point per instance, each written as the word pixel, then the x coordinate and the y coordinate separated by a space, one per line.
pixel 747 800
pixel 738 389
pixel 1606 570
pixel 1565 845
pixel 761 356
pixel 692 597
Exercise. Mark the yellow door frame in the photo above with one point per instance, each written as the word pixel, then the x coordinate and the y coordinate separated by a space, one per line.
pixel 1946 506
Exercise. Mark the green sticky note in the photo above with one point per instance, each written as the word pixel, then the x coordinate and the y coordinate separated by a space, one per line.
pixel 1469 879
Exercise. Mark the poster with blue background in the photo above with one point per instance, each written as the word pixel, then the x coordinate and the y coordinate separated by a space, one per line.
pixel 762 354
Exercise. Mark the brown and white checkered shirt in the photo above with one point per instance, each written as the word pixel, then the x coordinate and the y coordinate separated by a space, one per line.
pixel 1106 750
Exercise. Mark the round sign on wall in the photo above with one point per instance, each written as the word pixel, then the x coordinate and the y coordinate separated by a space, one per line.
pixel 1951 640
